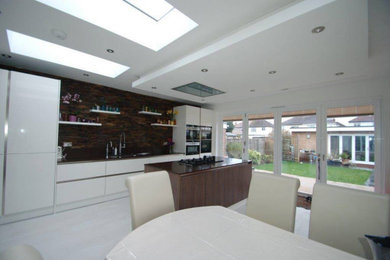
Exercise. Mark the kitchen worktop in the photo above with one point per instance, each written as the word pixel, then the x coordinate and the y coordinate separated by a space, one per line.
pixel 181 168
pixel 111 158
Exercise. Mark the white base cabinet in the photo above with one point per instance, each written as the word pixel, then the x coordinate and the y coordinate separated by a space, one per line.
pixel 29 182
pixel 80 190
pixel 116 184
pixel 80 184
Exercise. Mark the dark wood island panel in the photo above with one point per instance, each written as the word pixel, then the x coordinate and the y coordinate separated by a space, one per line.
pixel 224 183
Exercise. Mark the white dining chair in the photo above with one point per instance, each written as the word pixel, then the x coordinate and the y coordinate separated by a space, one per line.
pixel 273 199
pixel 21 252
pixel 150 196
pixel 340 217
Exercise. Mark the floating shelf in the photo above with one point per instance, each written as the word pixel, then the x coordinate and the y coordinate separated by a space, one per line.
pixel 155 124
pixel 149 113
pixel 79 123
pixel 105 112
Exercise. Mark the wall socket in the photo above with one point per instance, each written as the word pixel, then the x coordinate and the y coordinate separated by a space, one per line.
pixel 67 144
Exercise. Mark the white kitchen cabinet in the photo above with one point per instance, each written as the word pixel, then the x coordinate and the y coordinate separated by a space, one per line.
pixel 116 184
pixel 29 182
pixel 1 181
pixel 32 105
pixel 192 115
pixel 79 190
pixel 124 166
pixel 74 171
pixel 206 117
pixel 33 114
pixel 3 105
pixel 187 115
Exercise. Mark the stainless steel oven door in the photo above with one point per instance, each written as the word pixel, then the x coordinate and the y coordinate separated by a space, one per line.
pixel 192 148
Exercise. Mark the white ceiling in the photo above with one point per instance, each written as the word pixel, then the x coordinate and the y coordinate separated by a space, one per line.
pixel 239 42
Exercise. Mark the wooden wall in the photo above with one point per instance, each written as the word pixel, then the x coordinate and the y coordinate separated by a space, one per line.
pixel 90 140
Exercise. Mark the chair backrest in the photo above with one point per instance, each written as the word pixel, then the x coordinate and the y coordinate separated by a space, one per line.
pixel 273 199
pixel 22 252
pixel 150 196
pixel 340 217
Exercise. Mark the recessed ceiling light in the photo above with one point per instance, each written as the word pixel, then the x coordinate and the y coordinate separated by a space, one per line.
pixel 318 29
pixel 284 89
pixel 59 34
pixel 154 87
pixel 86 74
pixel 272 72
pixel 130 21
pixel 252 90
pixel 204 70
pixel 6 56
pixel 110 50
pixel 339 73
pixel 47 51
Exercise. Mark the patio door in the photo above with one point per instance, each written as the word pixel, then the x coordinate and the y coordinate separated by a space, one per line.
pixel 351 147
pixel 299 148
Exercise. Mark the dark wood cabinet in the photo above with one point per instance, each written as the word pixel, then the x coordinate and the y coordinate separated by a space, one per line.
pixel 222 186
pixel 215 187
pixel 192 191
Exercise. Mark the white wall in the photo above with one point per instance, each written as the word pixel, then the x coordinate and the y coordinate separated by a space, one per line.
pixel 346 92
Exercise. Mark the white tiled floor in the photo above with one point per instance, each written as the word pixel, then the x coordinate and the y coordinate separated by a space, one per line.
pixel 89 232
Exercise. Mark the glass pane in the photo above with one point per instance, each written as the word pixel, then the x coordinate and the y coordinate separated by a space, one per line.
pixel 360 148
pixel 347 145
pixel 372 148
pixel 334 146
pixel 353 168
pixel 232 139
pixel 261 143
pixel 299 148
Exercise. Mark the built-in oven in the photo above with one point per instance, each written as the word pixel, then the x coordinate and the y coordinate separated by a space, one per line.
pixel 192 133
pixel 205 139
pixel 192 148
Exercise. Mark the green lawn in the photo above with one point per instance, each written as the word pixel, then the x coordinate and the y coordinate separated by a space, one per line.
pixel 335 173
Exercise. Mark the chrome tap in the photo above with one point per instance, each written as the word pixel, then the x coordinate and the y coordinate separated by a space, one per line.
pixel 107 148
pixel 122 145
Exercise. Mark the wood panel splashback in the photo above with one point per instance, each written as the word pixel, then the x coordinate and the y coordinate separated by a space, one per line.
pixel 140 135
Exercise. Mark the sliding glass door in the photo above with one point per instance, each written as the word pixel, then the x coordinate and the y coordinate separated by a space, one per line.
pixel 333 145
pixel 233 137
pixel 351 147
pixel 299 148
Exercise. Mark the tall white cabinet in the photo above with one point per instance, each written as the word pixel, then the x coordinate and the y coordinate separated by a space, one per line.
pixel 3 106
pixel 30 147
pixel 189 115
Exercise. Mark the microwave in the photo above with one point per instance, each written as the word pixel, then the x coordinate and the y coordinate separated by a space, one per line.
pixel 192 148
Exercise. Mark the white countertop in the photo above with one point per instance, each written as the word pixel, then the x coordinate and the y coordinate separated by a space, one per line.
pixel 217 233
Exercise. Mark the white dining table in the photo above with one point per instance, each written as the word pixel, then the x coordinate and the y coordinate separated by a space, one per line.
pixel 217 233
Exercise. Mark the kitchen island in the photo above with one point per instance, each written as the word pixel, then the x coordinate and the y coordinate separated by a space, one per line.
pixel 223 182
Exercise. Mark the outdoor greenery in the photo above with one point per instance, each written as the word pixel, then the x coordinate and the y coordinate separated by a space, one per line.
pixel 230 126
pixel 234 149
pixel 335 173
pixel 255 157
pixel 258 158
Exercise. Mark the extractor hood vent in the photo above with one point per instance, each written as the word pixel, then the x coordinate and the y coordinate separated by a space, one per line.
pixel 198 90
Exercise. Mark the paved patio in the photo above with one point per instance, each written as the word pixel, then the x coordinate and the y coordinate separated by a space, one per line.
pixel 308 183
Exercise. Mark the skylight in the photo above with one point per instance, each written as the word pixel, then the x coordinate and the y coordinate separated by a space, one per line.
pixel 131 19
pixel 47 51
pixel 156 9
